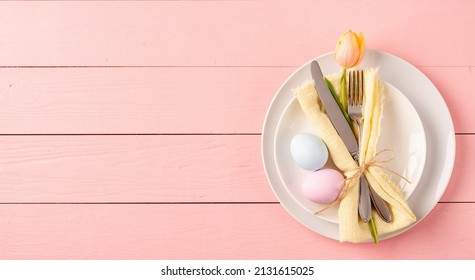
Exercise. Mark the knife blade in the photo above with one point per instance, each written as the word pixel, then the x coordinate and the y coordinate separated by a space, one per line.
pixel 333 111
pixel 346 134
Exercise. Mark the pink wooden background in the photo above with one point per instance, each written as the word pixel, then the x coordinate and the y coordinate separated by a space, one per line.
pixel 131 130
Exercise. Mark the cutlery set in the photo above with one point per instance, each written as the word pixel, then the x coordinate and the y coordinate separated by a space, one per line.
pixel 367 196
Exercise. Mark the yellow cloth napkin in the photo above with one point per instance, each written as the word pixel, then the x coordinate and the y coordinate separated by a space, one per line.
pixel 352 229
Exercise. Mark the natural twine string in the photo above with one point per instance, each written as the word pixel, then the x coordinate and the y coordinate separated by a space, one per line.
pixel 346 184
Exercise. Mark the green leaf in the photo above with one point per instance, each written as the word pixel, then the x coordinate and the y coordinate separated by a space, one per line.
pixel 333 92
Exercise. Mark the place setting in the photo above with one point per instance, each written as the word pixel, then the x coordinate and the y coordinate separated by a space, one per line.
pixel 350 145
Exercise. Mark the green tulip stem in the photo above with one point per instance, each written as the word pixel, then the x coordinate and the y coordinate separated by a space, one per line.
pixel 373 229
pixel 343 96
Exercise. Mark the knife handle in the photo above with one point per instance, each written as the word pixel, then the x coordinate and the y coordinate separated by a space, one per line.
pixel 364 201
pixel 380 206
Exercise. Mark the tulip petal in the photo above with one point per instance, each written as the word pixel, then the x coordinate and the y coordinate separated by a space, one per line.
pixel 347 50
pixel 362 45
pixel 340 40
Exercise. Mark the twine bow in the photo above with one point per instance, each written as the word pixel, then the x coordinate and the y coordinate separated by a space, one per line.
pixel 358 172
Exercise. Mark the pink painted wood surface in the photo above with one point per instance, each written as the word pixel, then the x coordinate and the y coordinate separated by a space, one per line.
pixel 169 100
pixel 137 100
pixel 461 186
pixel 212 33
pixel 158 168
pixel 132 168
pixel 212 68
pixel 212 232
pixel 456 85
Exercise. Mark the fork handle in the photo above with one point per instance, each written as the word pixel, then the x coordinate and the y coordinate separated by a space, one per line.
pixel 364 203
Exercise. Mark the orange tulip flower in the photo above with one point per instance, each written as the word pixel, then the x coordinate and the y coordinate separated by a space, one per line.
pixel 350 49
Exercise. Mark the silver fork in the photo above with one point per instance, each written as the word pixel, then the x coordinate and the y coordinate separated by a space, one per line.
pixel 355 111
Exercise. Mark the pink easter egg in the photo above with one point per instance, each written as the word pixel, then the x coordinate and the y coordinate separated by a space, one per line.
pixel 322 186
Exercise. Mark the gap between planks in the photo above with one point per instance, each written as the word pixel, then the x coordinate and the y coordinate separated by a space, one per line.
pixel 191 66
pixel 162 134
pixel 158 66
pixel 147 202
pixel 179 203
pixel 136 134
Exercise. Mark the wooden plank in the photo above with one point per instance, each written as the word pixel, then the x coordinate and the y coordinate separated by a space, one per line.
pixel 137 100
pixel 169 100
pixel 461 187
pixel 132 169
pixel 253 33
pixel 455 85
pixel 212 232
pixel 161 168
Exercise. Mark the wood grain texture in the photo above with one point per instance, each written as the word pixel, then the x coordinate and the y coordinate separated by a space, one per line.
pixel 462 184
pixel 158 168
pixel 456 85
pixel 131 129
pixel 137 100
pixel 217 33
pixel 169 100
pixel 212 232
pixel 128 168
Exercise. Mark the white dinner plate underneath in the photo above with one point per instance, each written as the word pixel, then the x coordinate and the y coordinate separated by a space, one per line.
pixel 427 101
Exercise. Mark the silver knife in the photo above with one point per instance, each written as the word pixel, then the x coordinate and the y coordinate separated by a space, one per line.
pixel 346 134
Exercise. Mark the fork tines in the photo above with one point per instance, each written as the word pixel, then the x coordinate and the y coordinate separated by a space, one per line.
pixel 355 91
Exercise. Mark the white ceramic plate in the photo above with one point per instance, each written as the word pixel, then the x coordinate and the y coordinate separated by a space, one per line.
pixel 428 103
pixel 401 131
